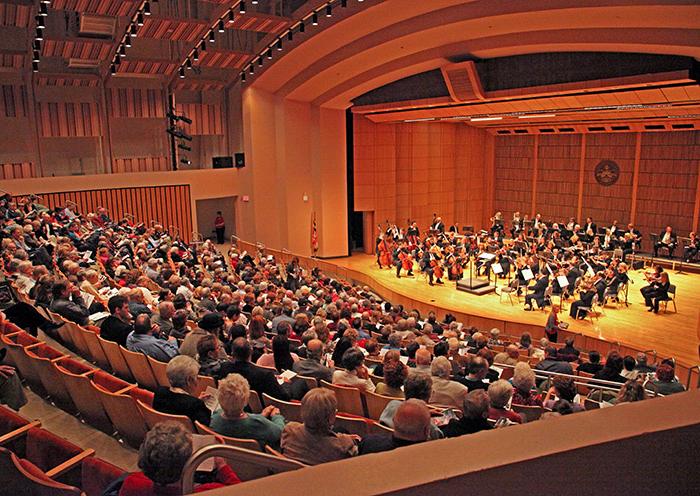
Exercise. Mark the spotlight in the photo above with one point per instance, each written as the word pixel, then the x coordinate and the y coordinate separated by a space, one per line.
pixel 212 37
pixel 221 26
pixel 113 69
pixel 35 56
pixel 279 45
pixel 178 134
pixel 241 8
pixel 183 146
pixel 43 10
pixel 269 53
pixel 260 61
pixel 175 117
pixel 39 35
pixel 35 66
pixel 252 69
pixel 185 161
pixel 127 41
pixel 243 76
pixel 188 64
pixel 231 16
pixel 203 46
pixel 290 35
pixel 254 2
pixel 122 51
pixel 314 19
pixel 195 55
pixel 39 22
pixel 134 30
pixel 36 45
pixel 147 8
pixel 139 19
pixel 329 11
pixel 302 27
pixel 182 73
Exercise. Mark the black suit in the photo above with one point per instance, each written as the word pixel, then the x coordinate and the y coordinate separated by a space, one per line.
pixel 670 246
pixel 164 400
pixel 260 380
pixel 114 329
pixel 538 291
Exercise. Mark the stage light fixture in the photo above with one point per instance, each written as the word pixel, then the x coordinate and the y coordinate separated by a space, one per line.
pixel 35 56
pixel 302 27
pixel 183 146
pixel 122 51
pixel 117 61
pixel 188 64
pixel 139 19
pixel 252 69
pixel 222 28
pixel 175 117
pixel 243 76
pixel 178 134
pixel 113 69
pixel 43 10
pixel 185 161
pixel 314 19
pixel 39 22
pixel 212 36
pixel 147 8
pixel 254 2
pixel 36 45
pixel 260 61
pixel 39 35
pixel 329 10
pixel 134 30
pixel 269 53
pixel 279 45
pixel 241 8
pixel 35 66
pixel 195 55
pixel 203 46
pixel 127 42
pixel 182 73
pixel 290 35
pixel 231 16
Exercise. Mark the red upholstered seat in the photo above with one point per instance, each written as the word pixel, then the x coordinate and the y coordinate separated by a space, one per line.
pixel 108 381
pixel 9 420
pixel 23 477
pixel 74 366
pixel 97 474
pixel 47 450
pixel 143 395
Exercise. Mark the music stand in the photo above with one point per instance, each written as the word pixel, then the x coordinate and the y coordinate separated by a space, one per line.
pixel 681 242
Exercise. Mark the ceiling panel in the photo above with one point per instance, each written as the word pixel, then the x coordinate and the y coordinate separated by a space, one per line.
pixel 15 15
pixel 115 8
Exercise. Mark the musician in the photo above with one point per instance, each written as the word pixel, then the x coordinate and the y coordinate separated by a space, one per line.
pixel 653 279
pixel 658 290
pixel 609 240
pixel 691 249
pixel 614 229
pixel 619 278
pixel 516 225
pixel 438 225
pixel 586 294
pixel 413 234
pixel 538 291
pixel 590 229
pixel 425 267
pixel 668 241
pixel 497 223
pixel 631 241
pixel 537 223
pixel 552 328
pixel 436 259
pixel 402 259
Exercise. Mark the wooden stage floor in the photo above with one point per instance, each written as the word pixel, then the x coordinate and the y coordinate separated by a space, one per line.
pixel 670 334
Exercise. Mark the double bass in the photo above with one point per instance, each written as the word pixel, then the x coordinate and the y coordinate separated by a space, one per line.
pixel 385 250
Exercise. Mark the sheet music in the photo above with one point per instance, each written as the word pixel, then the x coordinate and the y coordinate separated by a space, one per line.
pixel 497 268
pixel 487 256
pixel 527 274
pixel 563 281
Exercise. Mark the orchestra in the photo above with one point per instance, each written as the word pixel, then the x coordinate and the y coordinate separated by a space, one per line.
pixel 552 258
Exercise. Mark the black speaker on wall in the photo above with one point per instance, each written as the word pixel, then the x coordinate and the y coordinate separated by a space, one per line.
pixel 222 162
pixel 240 160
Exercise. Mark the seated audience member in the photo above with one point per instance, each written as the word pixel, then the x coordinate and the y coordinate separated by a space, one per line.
pixel 211 323
pixel 494 337
pixel 280 358
pixel 568 352
pixel 629 371
pixel 552 364
pixel 260 380
pixel 11 390
pixel 117 326
pixel 179 320
pixel 142 340
pixel 593 365
pixel 612 368
pixel 355 373
pixel 411 426
pixel 162 457
pixel 423 360
pixel 476 373
pixel 265 427
pixel 631 391
pixel 491 373
pixel 563 388
pixel 163 318
pixel 524 392
pixel 642 366
pixel 665 382
pixel 182 374
pixel 394 376
pixel 507 357
pixel 418 385
pixel 525 341
pixel 208 352
pixel 311 366
pixel 68 303
pixel 500 393
pixel 445 391
pixel 314 441
pixel 389 356
pixel 475 412
pixel 136 302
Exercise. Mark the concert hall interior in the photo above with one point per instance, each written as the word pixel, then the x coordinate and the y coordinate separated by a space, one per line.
pixel 491 204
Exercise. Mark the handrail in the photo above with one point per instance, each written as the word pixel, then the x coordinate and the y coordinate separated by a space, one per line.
pixel 273 463
pixel 690 376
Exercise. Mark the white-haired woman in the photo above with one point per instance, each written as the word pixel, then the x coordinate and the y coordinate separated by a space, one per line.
pixel 265 427
pixel 500 394
pixel 178 399
pixel 524 392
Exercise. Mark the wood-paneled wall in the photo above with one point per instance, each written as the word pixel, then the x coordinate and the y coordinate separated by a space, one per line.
pixel 412 170
pixel 13 101
pixel 24 170
pixel 68 119
pixel 166 205
pixel 136 103
pixel 140 164
pixel 658 183
pixel 206 119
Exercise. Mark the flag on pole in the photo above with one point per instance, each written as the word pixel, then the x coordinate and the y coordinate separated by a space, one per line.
pixel 314 234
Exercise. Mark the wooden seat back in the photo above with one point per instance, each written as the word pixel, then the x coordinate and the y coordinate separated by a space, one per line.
pixel 290 411
pixel 349 398
pixel 250 444
pixel 140 368
pixel 153 417
pixel 123 413
pixel 116 360
pixel 376 403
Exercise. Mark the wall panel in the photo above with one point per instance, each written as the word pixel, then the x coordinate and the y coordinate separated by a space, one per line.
pixel 68 119
pixel 558 176
pixel 145 204
pixel 23 170
pixel 136 103
pixel 140 164
pixel 514 163
pixel 206 119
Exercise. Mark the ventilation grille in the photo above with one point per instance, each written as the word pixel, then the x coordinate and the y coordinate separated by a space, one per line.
pixel 463 82
pixel 94 26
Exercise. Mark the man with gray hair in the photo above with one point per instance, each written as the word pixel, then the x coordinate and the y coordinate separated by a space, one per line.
pixel 163 319
pixel 311 366
pixel 411 426
pixel 419 386
pixel 445 391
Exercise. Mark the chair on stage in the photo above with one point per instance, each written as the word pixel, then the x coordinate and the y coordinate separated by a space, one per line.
pixel 671 297
pixel 509 291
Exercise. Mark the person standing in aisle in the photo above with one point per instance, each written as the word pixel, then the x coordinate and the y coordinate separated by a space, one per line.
pixel 220 227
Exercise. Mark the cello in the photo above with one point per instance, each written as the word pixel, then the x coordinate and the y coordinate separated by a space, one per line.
pixel 385 251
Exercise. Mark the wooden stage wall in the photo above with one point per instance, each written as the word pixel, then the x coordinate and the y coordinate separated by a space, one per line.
pixel 167 205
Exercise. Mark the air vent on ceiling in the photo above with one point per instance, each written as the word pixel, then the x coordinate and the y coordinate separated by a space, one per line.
pixel 520 131
pixel 620 128
pixel 596 128
pixel 654 127
pixel 683 126
pixel 463 82
pixel 83 63
pixel 547 130
pixel 503 131
pixel 95 26
pixel 566 129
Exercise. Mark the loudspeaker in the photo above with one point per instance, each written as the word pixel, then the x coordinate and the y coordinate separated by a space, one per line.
pixel 240 160
pixel 222 162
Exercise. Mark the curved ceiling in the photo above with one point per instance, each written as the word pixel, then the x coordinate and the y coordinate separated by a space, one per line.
pixel 392 39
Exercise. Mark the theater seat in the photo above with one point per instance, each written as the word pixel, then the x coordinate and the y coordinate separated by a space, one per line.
pixel 13 428
pixel 290 411
pixel 140 369
pixel 121 409
pixel 90 335
pixel 56 457
pixel 349 398
pixel 15 344
pixel 116 360
pixel 250 444
pixel 56 386
pixel 86 399
pixel 97 474
pixel 22 477
pixel 153 417
pixel 42 356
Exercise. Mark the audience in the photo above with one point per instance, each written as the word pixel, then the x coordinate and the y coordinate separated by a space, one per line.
pixel 355 373
pixel 143 340
pixel 612 368
pixel 314 441
pixel 411 426
pixel 500 394
pixel 178 399
pixel 665 382
pixel 280 358
pixel 445 391
pixel 593 365
pixel 563 388
pixel 260 380
pixel 524 392
pixel 117 326
pixel 311 366
pixel 475 412
pixel 395 374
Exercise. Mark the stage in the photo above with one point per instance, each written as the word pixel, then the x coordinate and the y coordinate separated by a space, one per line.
pixel 670 334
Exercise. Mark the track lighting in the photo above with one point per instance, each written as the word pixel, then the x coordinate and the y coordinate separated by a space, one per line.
pixel 231 16
pixel 139 19
pixel 122 51
pixel 35 56
pixel 134 30
pixel 182 73
pixel 147 8
pixel 314 19
pixel 39 22
pixel 243 76
pixel 290 35
pixel 113 69
pixel 241 7
pixel 195 55
pixel 302 27
pixel 39 35
pixel 43 10
pixel 188 64
pixel 35 66
pixel 260 61
pixel 329 11
pixel 127 41
pixel 212 37
pixel 279 45
pixel 269 53
pixel 221 26
pixel 203 46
